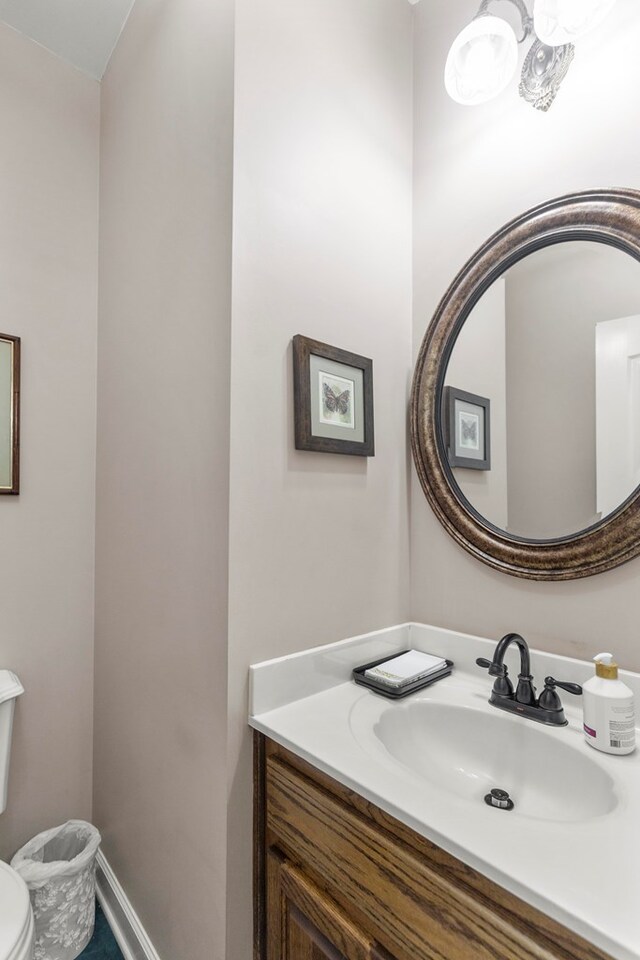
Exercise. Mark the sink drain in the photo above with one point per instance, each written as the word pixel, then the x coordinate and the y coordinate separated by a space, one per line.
pixel 500 799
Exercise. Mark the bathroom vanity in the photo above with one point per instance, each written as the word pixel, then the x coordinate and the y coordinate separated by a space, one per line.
pixel 372 838
pixel 343 879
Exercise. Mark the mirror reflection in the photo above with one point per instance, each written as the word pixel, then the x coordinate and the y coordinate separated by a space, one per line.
pixel 545 441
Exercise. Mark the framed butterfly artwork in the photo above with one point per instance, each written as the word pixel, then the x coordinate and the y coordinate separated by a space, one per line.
pixel 468 429
pixel 333 399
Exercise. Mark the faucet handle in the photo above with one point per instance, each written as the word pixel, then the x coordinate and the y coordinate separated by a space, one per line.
pixel 495 669
pixel 549 699
pixel 573 688
pixel 502 686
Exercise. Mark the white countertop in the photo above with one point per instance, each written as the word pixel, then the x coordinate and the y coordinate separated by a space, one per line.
pixel 585 873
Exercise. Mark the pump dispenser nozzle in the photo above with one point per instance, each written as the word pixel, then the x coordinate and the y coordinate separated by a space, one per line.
pixel 606 667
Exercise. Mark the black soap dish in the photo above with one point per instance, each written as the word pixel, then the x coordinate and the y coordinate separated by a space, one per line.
pixel 390 692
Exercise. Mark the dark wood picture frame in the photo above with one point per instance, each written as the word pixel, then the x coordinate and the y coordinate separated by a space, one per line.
pixel 14 488
pixel 305 437
pixel 451 395
pixel 610 217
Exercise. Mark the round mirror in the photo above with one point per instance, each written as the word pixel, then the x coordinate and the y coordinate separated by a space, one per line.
pixel 526 397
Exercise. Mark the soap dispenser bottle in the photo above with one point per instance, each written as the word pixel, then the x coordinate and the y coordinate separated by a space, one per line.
pixel 609 715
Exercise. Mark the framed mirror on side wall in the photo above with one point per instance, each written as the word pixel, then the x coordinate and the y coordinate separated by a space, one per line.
pixel 9 414
pixel 544 322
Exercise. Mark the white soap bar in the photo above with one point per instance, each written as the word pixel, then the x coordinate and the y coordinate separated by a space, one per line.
pixel 405 668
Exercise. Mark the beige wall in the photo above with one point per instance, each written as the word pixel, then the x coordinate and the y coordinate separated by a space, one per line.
pixel 319 542
pixel 162 487
pixel 48 289
pixel 474 170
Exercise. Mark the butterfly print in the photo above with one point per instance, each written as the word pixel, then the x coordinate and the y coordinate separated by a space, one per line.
pixel 469 430
pixel 336 403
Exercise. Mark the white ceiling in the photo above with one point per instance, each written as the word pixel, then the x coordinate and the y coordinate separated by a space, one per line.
pixel 83 32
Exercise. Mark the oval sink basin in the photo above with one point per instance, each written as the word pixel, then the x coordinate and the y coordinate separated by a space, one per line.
pixel 468 752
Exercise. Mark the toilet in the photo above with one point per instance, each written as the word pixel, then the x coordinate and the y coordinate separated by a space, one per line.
pixel 17 932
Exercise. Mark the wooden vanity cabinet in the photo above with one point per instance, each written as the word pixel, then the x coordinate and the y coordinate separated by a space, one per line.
pixel 336 878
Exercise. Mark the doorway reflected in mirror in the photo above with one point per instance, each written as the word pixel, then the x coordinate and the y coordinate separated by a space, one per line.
pixel 9 414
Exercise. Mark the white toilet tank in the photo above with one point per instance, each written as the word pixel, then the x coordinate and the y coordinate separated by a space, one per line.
pixel 10 688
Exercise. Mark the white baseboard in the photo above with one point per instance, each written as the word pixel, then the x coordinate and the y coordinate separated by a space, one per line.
pixel 130 935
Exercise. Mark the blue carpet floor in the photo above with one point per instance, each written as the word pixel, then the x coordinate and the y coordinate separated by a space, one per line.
pixel 102 945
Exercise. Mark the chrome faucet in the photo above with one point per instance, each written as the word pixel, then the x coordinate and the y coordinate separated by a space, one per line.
pixel 547 709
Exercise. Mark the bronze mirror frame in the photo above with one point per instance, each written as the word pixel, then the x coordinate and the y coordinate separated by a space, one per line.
pixel 605 216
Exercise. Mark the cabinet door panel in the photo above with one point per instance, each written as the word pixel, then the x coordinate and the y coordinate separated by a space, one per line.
pixel 305 942
pixel 305 924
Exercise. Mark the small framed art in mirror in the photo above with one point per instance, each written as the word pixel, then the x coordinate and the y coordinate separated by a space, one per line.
pixel 468 429
pixel 9 414
pixel 333 399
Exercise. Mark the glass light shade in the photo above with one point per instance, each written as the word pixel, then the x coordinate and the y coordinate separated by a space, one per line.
pixel 482 60
pixel 557 22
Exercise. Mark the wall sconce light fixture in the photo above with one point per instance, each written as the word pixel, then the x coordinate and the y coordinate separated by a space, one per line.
pixel 484 56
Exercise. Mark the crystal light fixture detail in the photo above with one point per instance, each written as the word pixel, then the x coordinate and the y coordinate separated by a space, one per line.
pixel 543 71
